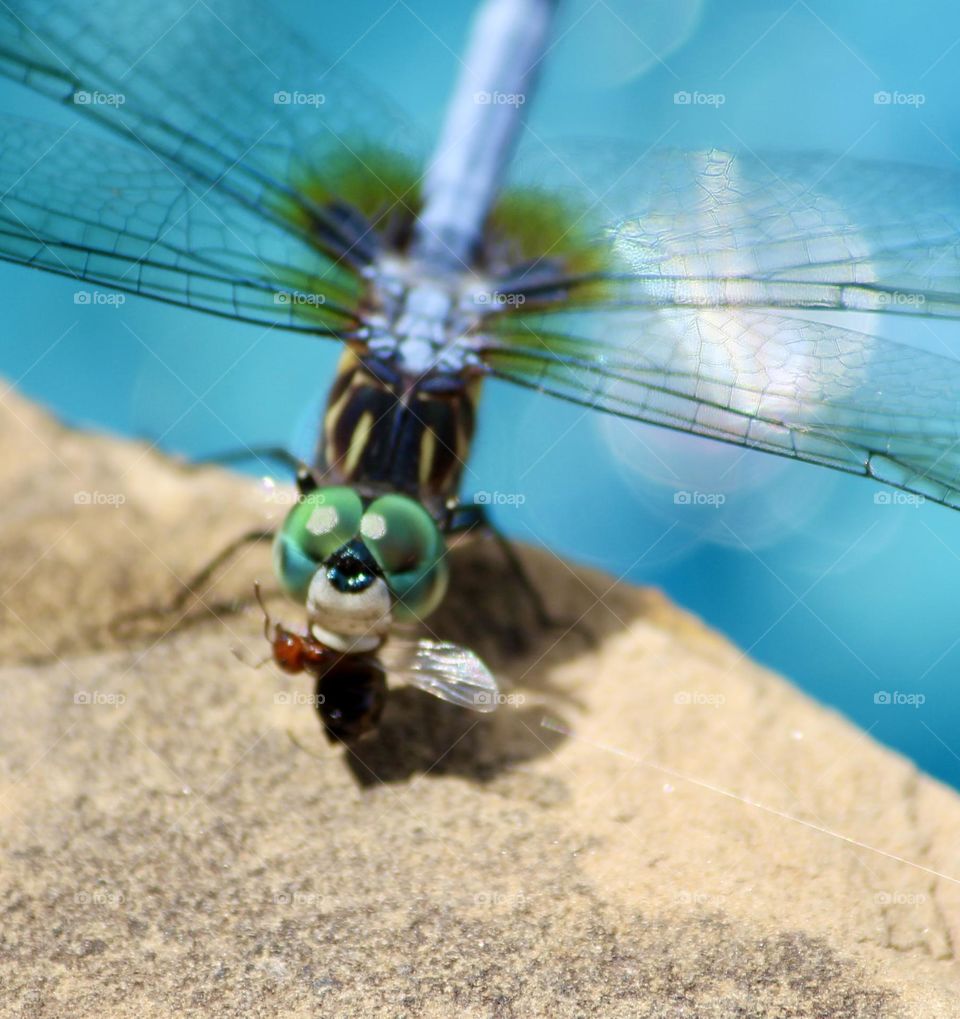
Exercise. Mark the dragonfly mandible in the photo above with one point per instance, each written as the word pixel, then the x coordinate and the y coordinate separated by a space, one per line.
pixel 248 177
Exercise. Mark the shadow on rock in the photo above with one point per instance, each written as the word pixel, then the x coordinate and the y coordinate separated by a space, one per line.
pixel 421 735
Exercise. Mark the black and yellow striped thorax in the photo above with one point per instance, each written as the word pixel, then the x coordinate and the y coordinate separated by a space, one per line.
pixel 386 432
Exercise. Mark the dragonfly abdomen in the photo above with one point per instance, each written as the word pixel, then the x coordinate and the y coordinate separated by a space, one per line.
pixel 383 432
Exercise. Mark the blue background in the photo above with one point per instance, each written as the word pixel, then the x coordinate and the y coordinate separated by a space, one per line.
pixel 801 567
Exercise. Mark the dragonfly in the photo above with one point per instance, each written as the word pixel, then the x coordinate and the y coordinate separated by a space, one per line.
pixel 227 167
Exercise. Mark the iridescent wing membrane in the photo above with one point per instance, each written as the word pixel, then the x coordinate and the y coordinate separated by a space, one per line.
pixel 448 671
pixel 221 191
pixel 708 315
pixel 248 177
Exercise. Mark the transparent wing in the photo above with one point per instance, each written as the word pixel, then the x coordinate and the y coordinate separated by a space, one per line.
pixel 448 671
pixel 222 88
pixel 241 156
pixel 711 229
pixel 701 309
pixel 803 389
pixel 116 216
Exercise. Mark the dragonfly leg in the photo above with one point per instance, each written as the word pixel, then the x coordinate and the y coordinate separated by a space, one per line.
pixel 203 576
pixel 306 482
pixel 194 586
pixel 278 454
pixel 307 479
pixel 463 519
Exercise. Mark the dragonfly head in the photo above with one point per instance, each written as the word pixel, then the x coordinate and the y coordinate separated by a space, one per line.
pixel 360 565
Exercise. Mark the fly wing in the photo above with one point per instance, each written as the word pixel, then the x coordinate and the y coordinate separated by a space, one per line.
pixel 448 671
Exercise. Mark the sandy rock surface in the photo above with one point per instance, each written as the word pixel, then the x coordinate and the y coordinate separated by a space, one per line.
pixel 651 825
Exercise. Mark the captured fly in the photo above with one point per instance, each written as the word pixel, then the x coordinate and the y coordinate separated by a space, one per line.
pixel 350 687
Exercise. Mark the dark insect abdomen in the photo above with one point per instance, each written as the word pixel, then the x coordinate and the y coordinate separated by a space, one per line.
pixel 383 433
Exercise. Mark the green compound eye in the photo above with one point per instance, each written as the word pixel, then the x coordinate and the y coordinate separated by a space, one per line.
pixel 315 528
pixel 407 545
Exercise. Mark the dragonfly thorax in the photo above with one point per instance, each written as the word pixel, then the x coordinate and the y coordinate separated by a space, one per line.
pixel 425 324
pixel 400 414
